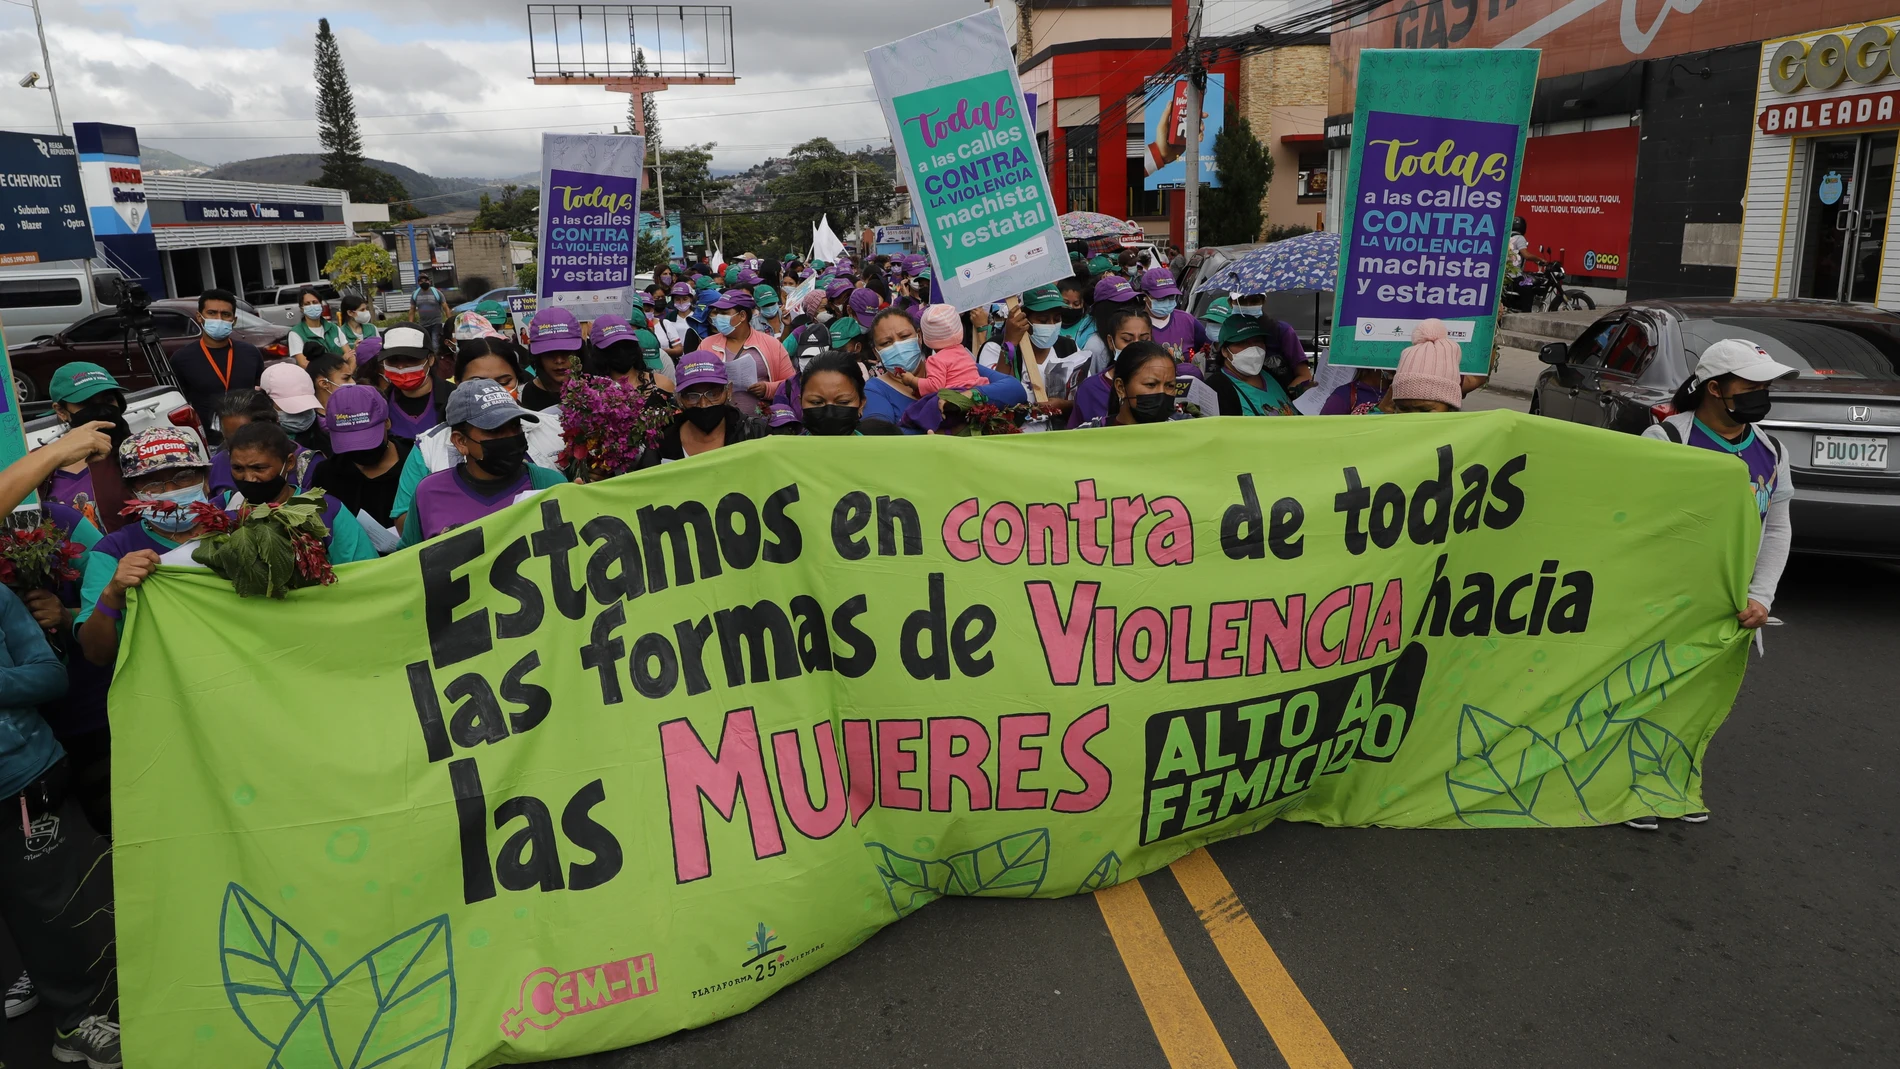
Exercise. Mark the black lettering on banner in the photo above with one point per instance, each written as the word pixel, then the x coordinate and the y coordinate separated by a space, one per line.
pixel 505 576
pixel 618 547
pixel 471 819
pixel 581 829
pixel 554 541
pixel 739 535
pixel 535 701
pixel 745 629
pixel 897 521
pixel 790 540
pixel 452 639
pixel 685 527
pixel 530 857
pixel 849 517
pixel 1211 762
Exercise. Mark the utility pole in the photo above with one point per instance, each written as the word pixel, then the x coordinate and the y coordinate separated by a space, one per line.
pixel 1191 189
pixel 46 58
pixel 659 185
pixel 855 206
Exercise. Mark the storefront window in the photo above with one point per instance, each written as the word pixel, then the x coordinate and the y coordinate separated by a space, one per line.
pixel 1313 176
pixel 1081 149
pixel 1844 216
pixel 1143 203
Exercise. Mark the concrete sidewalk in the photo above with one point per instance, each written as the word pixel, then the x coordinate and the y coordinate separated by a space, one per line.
pixel 1511 387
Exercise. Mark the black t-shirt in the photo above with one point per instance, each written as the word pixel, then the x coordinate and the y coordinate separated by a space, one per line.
pixel 203 382
pixel 536 399
pixel 345 482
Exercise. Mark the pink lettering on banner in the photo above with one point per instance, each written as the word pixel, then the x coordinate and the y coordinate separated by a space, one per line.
pixel 961 118
pixel 812 821
pixel 693 773
pixel 549 996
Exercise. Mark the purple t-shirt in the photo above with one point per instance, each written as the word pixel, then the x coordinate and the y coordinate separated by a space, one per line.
pixel 1091 398
pixel 1182 335
pixel 449 498
pixel 1345 400
pixel 74 490
pixel 404 425
pixel 1753 451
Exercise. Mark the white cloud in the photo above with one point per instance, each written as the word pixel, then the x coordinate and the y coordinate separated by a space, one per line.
pixel 442 86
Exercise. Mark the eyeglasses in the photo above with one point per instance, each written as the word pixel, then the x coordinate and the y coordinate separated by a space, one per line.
pixel 702 398
pixel 163 481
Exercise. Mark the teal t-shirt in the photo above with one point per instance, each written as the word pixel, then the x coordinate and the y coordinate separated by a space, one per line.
pixel 1260 402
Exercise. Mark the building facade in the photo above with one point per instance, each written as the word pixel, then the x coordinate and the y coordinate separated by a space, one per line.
pixel 243 236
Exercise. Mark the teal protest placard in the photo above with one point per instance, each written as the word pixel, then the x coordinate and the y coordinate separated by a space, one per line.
pixel 1437 142
pixel 967 152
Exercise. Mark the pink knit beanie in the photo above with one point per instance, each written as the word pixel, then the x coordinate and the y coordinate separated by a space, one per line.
pixel 942 327
pixel 1428 368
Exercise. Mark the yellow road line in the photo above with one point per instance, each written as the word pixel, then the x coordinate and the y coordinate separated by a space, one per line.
pixel 1299 1033
pixel 1180 1022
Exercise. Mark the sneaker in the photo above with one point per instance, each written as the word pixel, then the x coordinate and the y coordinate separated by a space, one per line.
pixel 1694 818
pixel 94 1041
pixel 1643 823
pixel 21 997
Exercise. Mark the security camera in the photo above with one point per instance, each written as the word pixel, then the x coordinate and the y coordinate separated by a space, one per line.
pixel 32 78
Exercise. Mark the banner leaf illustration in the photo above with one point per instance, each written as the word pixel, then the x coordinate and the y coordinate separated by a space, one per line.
pixel 394 1006
pixel 270 971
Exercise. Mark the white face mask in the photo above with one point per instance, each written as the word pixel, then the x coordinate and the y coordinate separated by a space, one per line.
pixel 313 311
pixel 362 315
pixel 1250 360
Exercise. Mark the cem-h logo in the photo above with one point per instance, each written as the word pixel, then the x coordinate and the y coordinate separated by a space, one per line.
pixel 549 996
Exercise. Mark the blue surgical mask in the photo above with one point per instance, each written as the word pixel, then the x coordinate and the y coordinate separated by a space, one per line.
pixel 180 519
pixel 218 329
pixel 723 323
pixel 1255 310
pixel 313 311
pixel 1043 335
pixel 1161 309
pixel 904 355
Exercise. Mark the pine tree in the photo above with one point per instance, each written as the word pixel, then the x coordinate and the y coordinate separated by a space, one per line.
pixel 336 116
pixel 1230 214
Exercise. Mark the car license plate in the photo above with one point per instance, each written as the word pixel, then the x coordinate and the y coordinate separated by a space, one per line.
pixel 1835 452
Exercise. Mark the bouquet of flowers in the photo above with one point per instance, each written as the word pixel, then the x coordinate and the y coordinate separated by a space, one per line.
pixel 973 415
pixel 37 558
pixel 606 426
pixel 266 550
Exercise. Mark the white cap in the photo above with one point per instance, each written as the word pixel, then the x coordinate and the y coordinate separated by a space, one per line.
pixel 1741 358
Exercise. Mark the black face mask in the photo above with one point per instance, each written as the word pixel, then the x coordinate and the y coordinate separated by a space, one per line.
pixel 503 458
pixel 363 458
pixel 104 413
pixel 259 493
pixel 1749 407
pixel 707 417
pixel 831 420
pixel 1153 407
pixel 1071 316
pixel 623 357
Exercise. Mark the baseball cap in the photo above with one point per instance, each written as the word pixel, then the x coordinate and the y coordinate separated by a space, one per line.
pixel 638 318
pixel 735 299
pixel 493 311
pixel 682 289
pixel 781 415
pixel 1043 299
pixel 1115 288
pixel 484 404
pixel 843 329
pixel 837 287
pixel 764 295
pixel 610 330
pixel 552 329
pixel 404 342
pixel 1741 358
pixel 290 388
pixel 472 325
pixel 1218 311
pixel 368 349
pixel 1099 265
pixel 1159 282
pixel 731 276
pixel 702 367
pixel 864 305
pixel 77 381
pixel 162 449
pixel 1240 328
pixel 358 419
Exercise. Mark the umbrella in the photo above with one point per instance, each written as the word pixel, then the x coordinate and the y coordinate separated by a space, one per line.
pixel 1082 226
pixel 1307 262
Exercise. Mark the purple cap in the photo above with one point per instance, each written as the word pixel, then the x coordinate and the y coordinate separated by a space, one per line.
pixel 368 349
pixel 553 330
pixel 781 415
pixel 682 289
pixel 837 287
pixel 735 299
pixel 749 278
pixel 357 418
pixel 701 367
pixel 864 305
pixel 1114 288
pixel 1159 282
pixel 611 329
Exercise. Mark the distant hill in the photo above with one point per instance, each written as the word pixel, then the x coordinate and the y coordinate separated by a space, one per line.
pixel 158 159
pixel 433 195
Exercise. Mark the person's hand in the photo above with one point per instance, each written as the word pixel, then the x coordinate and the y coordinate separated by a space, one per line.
pixel 1754 616
pixel 47 611
pixel 82 444
pixel 1016 327
pixel 909 380
pixel 1470 384
pixel 133 569
pixel 760 390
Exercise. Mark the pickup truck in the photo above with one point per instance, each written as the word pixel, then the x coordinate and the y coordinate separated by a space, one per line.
pixel 282 304
pixel 156 406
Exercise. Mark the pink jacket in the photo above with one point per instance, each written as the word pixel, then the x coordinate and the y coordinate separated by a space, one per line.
pixel 949 369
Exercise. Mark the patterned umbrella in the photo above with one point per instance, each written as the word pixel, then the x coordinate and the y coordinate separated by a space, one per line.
pixel 1082 226
pixel 1307 262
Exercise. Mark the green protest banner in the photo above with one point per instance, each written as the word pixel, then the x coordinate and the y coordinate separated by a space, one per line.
pixel 1437 138
pixel 630 757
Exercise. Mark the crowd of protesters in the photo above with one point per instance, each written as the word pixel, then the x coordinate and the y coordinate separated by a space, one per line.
pixel 421 427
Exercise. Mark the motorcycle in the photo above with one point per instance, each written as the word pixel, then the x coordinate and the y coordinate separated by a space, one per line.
pixel 1540 291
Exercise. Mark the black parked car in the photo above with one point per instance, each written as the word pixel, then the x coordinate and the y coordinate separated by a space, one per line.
pixel 1839 421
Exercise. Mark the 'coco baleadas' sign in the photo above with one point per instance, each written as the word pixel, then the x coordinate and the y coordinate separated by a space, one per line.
pixel 1838 60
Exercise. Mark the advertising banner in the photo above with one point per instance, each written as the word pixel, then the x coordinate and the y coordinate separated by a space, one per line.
pixel 651 225
pixel 1432 182
pixel 590 200
pixel 114 183
pixel 1165 119
pixel 629 757
pixel 1575 198
pixel 252 213
pixel 967 151
pixel 42 206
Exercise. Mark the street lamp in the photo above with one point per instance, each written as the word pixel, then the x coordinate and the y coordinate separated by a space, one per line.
pixel 32 78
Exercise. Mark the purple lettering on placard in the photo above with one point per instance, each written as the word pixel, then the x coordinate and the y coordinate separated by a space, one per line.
pixel 1432 221
pixel 590 231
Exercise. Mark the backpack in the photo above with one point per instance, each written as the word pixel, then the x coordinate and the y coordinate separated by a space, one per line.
pixel 1671 432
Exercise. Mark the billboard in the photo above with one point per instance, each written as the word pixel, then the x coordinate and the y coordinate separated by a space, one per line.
pixel 42 205
pixel 1575 197
pixel 1165 119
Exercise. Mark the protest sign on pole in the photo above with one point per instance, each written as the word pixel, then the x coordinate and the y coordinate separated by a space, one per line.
pixel 966 150
pixel 629 757
pixel 1437 139
pixel 590 198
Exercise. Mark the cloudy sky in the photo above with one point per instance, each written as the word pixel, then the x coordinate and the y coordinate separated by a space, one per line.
pixel 441 85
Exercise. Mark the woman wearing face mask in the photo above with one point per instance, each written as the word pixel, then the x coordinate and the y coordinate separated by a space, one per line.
pixel 671 325
pixel 84 393
pixel 831 393
pixel 1114 297
pixel 900 353
pixel 261 460
pixel 1033 349
pixel 357 317
pixel 1145 375
pixel 1289 345
pixel 768 317
pixel 364 469
pixel 1241 380
pixel 707 419
pixel 313 325
pixel 621 355
pixel 295 397
pixel 492 466
pixel 416 398
pixel 1120 327
pixel 328 373
pixel 1180 332
pixel 740 342
pixel 234 411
